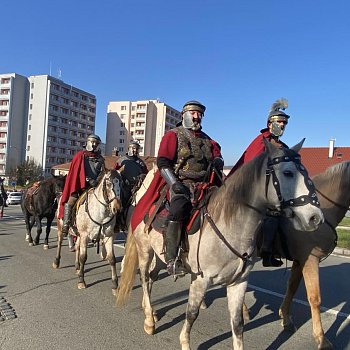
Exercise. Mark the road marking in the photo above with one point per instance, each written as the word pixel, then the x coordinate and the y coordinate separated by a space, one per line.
pixel 298 301
pixel 336 313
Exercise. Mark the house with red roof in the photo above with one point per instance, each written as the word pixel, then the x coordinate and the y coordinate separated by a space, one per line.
pixel 318 159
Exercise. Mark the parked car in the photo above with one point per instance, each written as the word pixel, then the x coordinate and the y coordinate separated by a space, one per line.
pixel 14 198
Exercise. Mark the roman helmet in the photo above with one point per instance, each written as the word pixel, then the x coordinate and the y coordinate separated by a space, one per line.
pixel 276 115
pixel 92 143
pixel 188 121
pixel 133 148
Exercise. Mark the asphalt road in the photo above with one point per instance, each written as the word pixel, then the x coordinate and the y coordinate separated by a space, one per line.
pixel 51 313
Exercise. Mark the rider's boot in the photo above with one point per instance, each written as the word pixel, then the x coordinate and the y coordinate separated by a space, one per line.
pixel 172 242
pixel 270 228
pixel 71 243
pixel 66 219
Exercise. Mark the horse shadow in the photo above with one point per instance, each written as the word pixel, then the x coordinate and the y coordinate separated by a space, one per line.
pixel 331 298
pixel 337 333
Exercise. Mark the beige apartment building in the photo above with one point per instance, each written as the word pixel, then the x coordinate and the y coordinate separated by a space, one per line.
pixel 42 118
pixel 145 121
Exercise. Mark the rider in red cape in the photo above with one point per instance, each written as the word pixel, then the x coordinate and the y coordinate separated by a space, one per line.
pixel 184 155
pixel 84 169
pixel 276 124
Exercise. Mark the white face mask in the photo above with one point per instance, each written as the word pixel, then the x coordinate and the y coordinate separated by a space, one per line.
pixel 92 146
pixel 190 121
pixel 133 151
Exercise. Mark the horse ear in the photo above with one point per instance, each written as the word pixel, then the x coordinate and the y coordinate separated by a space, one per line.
pixel 269 146
pixel 298 146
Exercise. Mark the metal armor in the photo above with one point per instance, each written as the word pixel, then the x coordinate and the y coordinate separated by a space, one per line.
pixel 93 167
pixel 194 155
pixel 133 168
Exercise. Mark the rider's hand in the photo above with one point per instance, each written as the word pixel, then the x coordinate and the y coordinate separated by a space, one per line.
pixel 179 188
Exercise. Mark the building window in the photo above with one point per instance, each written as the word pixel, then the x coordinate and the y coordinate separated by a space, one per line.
pixel 122 125
pixel 121 140
pixel 29 137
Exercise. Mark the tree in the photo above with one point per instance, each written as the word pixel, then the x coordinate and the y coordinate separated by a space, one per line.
pixel 28 171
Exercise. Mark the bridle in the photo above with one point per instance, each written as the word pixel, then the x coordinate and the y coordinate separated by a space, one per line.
pixel 310 198
pixel 106 200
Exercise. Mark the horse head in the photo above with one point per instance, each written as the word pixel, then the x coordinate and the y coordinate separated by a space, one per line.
pixel 110 186
pixel 289 188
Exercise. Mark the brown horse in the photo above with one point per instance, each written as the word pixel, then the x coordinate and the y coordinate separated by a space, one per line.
pixel 307 250
pixel 222 252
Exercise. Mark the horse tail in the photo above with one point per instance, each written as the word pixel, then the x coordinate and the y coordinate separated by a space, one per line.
pixel 129 271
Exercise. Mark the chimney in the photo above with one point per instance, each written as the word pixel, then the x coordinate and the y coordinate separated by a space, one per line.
pixel 331 148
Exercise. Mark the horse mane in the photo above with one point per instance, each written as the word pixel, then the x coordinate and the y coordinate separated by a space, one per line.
pixel 332 175
pixel 236 188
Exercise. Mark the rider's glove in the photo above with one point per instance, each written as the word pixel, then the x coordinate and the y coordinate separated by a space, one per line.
pixel 179 188
pixel 218 163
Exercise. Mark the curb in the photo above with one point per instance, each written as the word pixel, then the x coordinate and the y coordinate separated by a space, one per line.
pixel 341 251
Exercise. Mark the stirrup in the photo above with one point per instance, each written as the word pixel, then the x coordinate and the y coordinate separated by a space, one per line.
pixel 176 269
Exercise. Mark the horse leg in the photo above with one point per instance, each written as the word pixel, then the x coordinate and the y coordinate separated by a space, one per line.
pixel 82 260
pixel 145 259
pixel 292 286
pixel 312 284
pixel 77 254
pixel 57 260
pixel 153 276
pixel 108 244
pixel 49 220
pixel 38 230
pixel 29 220
pixel 235 299
pixel 196 295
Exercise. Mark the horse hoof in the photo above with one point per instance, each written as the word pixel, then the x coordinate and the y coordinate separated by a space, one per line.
pixel 155 317
pixel 115 291
pixel 55 266
pixel 27 237
pixel 289 327
pixel 203 305
pixel 81 285
pixel 31 244
pixel 324 344
pixel 46 246
pixel 149 329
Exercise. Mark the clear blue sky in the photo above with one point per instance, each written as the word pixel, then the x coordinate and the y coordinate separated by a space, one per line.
pixel 236 57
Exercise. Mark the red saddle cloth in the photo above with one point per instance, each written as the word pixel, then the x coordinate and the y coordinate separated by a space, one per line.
pixel 192 224
pixel 31 190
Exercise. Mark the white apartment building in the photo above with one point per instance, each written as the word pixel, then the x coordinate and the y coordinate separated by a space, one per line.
pixel 60 117
pixel 43 118
pixel 14 93
pixel 144 121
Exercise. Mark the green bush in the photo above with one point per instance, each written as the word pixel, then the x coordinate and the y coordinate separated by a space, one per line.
pixel 343 238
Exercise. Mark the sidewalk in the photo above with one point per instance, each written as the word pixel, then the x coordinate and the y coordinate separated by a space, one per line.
pixel 342 251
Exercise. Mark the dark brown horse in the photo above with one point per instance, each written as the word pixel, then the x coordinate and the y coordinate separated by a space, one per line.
pixel 42 203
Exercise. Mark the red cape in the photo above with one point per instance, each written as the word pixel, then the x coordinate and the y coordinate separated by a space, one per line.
pixel 255 148
pixel 76 179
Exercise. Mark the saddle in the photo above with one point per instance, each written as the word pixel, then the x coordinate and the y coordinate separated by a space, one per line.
pixel 33 190
pixel 81 201
pixel 157 215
